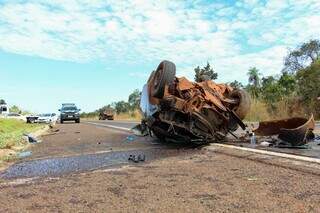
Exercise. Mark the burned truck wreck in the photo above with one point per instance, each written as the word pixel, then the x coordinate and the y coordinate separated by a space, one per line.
pixel 177 110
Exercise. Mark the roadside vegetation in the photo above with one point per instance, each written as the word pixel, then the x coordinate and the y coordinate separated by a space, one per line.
pixel 294 92
pixel 11 132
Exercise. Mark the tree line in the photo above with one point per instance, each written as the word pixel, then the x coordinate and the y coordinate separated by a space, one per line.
pixel 298 85
pixel 129 106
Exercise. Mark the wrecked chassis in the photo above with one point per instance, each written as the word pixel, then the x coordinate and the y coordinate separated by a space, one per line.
pixel 177 110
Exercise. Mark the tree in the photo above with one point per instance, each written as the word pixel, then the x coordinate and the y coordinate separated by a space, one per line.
pixel 15 109
pixel 205 73
pixel 287 83
pixel 254 82
pixel 236 84
pixel 271 91
pixel 302 56
pixel 121 107
pixel 2 101
pixel 134 99
pixel 308 83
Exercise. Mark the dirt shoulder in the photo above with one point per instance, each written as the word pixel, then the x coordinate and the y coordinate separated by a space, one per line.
pixel 209 181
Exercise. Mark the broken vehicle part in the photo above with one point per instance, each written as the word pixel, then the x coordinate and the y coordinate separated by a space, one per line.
pixel 178 110
pixel 296 131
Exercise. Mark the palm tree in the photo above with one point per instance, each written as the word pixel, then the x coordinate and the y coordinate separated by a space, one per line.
pixel 254 81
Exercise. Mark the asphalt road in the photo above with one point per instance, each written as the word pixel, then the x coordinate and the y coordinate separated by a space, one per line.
pixel 85 167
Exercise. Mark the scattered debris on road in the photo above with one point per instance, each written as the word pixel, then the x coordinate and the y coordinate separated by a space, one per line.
pixel 24 154
pixel 293 132
pixel 177 110
pixel 130 138
pixel 29 138
pixel 137 159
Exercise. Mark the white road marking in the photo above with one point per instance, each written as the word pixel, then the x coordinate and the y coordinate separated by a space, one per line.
pixel 110 126
pixel 265 152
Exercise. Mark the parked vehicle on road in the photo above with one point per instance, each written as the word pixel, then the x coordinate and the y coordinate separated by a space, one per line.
pixel 107 114
pixel 47 118
pixel 69 112
pixel 32 118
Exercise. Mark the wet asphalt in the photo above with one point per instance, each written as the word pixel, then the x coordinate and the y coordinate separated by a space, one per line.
pixel 73 148
pixel 59 166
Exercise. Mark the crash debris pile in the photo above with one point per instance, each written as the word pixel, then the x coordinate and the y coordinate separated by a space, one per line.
pixel 178 110
pixel 291 132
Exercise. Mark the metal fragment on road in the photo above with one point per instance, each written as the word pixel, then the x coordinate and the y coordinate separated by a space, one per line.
pixel 296 131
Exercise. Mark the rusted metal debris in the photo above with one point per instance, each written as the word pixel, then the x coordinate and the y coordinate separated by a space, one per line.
pixel 178 110
pixel 296 131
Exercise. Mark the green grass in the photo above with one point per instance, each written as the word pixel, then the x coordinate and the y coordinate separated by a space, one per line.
pixel 11 132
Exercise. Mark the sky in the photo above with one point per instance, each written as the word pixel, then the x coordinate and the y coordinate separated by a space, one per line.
pixel 94 52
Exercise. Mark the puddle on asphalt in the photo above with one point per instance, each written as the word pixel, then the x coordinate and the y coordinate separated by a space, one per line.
pixel 66 165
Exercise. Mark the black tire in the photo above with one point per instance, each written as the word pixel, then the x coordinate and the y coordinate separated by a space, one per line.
pixel 164 75
pixel 61 121
pixel 244 102
pixel 77 121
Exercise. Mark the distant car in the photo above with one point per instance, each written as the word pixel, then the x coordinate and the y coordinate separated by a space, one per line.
pixel 15 116
pixel 69 112
pixel 47 118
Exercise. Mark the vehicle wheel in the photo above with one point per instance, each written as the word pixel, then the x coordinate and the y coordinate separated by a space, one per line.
pixel 244 102
pixel 78 121
pixel 164 75
pixel 61 121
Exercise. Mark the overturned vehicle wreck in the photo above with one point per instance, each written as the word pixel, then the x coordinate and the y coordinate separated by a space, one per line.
pixel 177 110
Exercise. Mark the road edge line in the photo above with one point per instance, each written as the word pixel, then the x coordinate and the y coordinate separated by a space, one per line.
pixel 265 152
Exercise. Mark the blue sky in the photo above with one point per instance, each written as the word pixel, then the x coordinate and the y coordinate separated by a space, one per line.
pixel 96 52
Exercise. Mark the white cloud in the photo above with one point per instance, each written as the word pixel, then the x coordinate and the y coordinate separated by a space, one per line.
pixel 232 37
